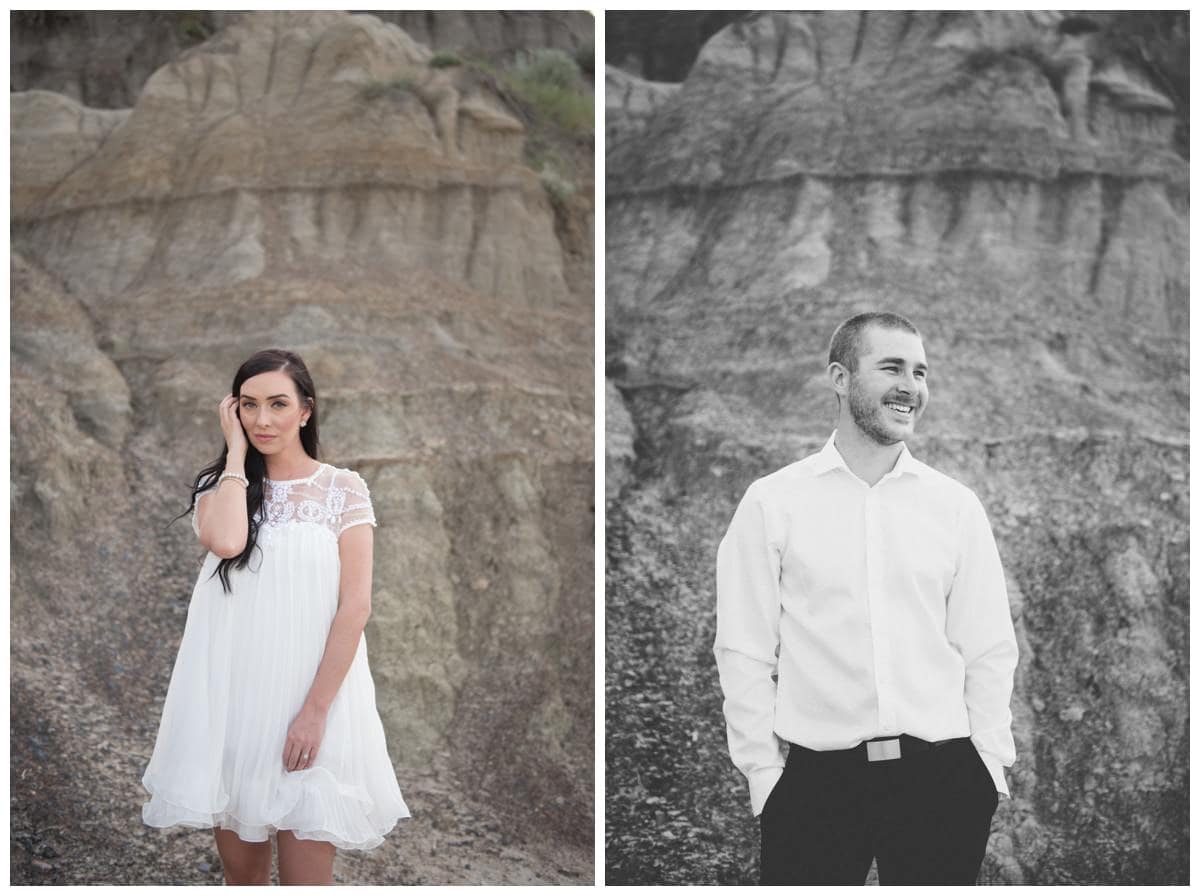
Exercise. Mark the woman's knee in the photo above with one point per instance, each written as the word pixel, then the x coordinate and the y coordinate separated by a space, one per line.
pixel 248 869
pixel 244 862
pixel 305 861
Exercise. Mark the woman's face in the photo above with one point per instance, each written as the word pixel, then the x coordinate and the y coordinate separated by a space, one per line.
pixel 270 411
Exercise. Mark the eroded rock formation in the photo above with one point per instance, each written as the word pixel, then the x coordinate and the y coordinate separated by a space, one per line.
pixel 306 181
pixel 814 165
pixel 103 58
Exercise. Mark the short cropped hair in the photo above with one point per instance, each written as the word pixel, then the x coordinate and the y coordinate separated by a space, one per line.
pixel 847 343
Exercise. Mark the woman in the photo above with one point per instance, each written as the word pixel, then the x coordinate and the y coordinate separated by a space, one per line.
pixel 270 721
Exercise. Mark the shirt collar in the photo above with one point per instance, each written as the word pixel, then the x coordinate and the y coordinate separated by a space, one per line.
pixel 829 458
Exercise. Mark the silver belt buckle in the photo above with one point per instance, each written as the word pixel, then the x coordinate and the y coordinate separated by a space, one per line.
pixel 878 750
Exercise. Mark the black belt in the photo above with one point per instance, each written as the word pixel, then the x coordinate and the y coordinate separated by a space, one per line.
pixel 880 749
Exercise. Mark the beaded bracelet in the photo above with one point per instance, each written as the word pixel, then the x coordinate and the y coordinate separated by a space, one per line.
pixel 238 476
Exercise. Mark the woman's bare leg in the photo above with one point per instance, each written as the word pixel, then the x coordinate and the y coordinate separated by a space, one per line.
pixel 243 862
pixel 304 861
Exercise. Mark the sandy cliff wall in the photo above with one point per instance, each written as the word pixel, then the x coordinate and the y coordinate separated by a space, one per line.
pixel 305 181
pixel 817 165
pixel 103 58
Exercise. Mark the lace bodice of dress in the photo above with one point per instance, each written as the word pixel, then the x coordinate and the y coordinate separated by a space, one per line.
pixel 332 498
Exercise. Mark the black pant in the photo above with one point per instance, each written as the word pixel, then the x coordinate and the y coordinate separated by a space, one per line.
pixel 924 818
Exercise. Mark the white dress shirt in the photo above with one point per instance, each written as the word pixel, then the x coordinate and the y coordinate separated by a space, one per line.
pixel 847 612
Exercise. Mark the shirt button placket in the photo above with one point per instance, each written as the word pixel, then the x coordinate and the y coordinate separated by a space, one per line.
pixel 877 607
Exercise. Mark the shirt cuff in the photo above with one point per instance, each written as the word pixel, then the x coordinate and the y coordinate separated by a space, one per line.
pixel 762 782
pixel 996 770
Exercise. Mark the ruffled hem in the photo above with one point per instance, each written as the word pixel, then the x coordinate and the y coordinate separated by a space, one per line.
pixel 313 807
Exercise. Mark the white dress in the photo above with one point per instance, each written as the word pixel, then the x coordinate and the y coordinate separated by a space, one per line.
pixel 245 665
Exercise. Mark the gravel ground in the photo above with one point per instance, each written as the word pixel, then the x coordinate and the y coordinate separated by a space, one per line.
pixel 89 839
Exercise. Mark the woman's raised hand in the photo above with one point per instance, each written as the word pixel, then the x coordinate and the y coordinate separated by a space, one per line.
pixel 231 425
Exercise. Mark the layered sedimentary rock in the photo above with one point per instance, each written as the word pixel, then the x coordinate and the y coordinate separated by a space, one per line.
pixel 814 165
pixel 103 58
pixel 307 181
pixel 630 102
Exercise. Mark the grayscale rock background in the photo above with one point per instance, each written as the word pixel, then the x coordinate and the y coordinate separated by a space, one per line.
pixel 188 188
pixel 814 165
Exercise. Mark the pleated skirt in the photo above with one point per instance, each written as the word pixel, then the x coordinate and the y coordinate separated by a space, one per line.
pixel 244 668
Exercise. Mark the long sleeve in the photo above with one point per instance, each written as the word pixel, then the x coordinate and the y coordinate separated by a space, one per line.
pixel 747 644
pixel 979 625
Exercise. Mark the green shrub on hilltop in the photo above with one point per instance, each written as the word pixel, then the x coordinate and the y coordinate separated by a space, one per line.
pixel 548 67
pixel 551 83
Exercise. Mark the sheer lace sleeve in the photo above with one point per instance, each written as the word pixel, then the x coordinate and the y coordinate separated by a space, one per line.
pixel 196 507
pixel 358 507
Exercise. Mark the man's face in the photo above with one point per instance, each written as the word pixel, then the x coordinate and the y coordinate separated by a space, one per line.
pixel 888 392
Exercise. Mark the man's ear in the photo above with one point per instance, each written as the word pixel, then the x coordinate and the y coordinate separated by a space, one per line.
pixel 839 378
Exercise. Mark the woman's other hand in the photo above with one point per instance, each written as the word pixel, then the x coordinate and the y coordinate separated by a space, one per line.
pixel 303 739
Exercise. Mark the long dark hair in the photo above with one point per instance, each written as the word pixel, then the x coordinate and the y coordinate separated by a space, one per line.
pixel 266 361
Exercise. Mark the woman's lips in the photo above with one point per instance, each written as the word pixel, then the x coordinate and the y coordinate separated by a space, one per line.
pixel 264 438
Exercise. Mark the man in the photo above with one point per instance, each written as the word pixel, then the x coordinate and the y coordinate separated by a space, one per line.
pixel 864 641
